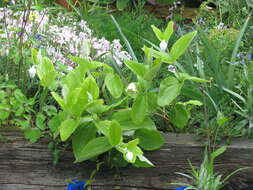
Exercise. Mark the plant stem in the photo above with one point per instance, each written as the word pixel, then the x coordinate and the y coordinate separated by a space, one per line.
pixel 43 97
pixel 21 39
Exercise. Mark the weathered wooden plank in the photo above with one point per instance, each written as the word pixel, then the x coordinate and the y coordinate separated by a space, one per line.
pixel 26 166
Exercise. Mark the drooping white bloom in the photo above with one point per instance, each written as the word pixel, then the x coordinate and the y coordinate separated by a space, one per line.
pixel 129 156
pixel 131 87
pixel 163 45
pixel 32 71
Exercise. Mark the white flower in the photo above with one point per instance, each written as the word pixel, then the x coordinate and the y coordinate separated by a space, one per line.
pixel 221 26
pixel 129 156
pixel 131 87
pixel 163 45
pixel 69 68
pixel 172 68
pixel 118 61
pixel 32 71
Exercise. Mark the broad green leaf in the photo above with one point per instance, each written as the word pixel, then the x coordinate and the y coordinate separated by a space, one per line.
pixel 4 111
pixel 20 97
pixel 152 101
pixel 137 68
pixel 34 56
pixel 62 116
pixel 91 87
pixel 157 32
pixel 170 88
pixel 46 72
pixel 103 127
pixel 179 116
pixel 74 78
pixel 149 139
pixel 81 137
pixel 153 70
pixel 77 101
pixel 33 134
pixel 58 99
pixel 163 56
pixel 124 119
pixel 67 128
pixel 140 108
pixel 114 85
pixel 94 148
pixel 122 4
pixel 85 64
pixel 181 45
pixel 96 106
pixel 54 123
pixel 40 119
pixel 115 133
pixel 168 31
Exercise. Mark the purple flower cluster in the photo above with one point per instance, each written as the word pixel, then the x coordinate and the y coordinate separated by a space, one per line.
pixel 59 35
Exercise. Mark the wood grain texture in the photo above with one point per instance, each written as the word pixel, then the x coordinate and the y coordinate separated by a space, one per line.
pixel 26 166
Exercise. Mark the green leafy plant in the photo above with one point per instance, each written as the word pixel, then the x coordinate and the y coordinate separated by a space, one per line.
pixel 98 115
pixel 15 108
pixel 84 116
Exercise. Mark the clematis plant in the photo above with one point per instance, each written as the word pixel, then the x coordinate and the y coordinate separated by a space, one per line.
pixel 97 115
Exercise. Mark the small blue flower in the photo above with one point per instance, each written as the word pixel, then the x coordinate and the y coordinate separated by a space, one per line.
pixel 38 37
pixel 76 185
pixel 249 56
pixel 180 188
pixel 238 55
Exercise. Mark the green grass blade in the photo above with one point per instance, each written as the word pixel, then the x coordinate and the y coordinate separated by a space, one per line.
pixel 212 100
pixel 231 69
pixel 234 94
pixel 212 57
pixel 234 172
pixel 129 47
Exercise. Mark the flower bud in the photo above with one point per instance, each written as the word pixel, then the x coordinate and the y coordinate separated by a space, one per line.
pixel 163 45
pixel 129 156
pixel 131 87
pixel 32 71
